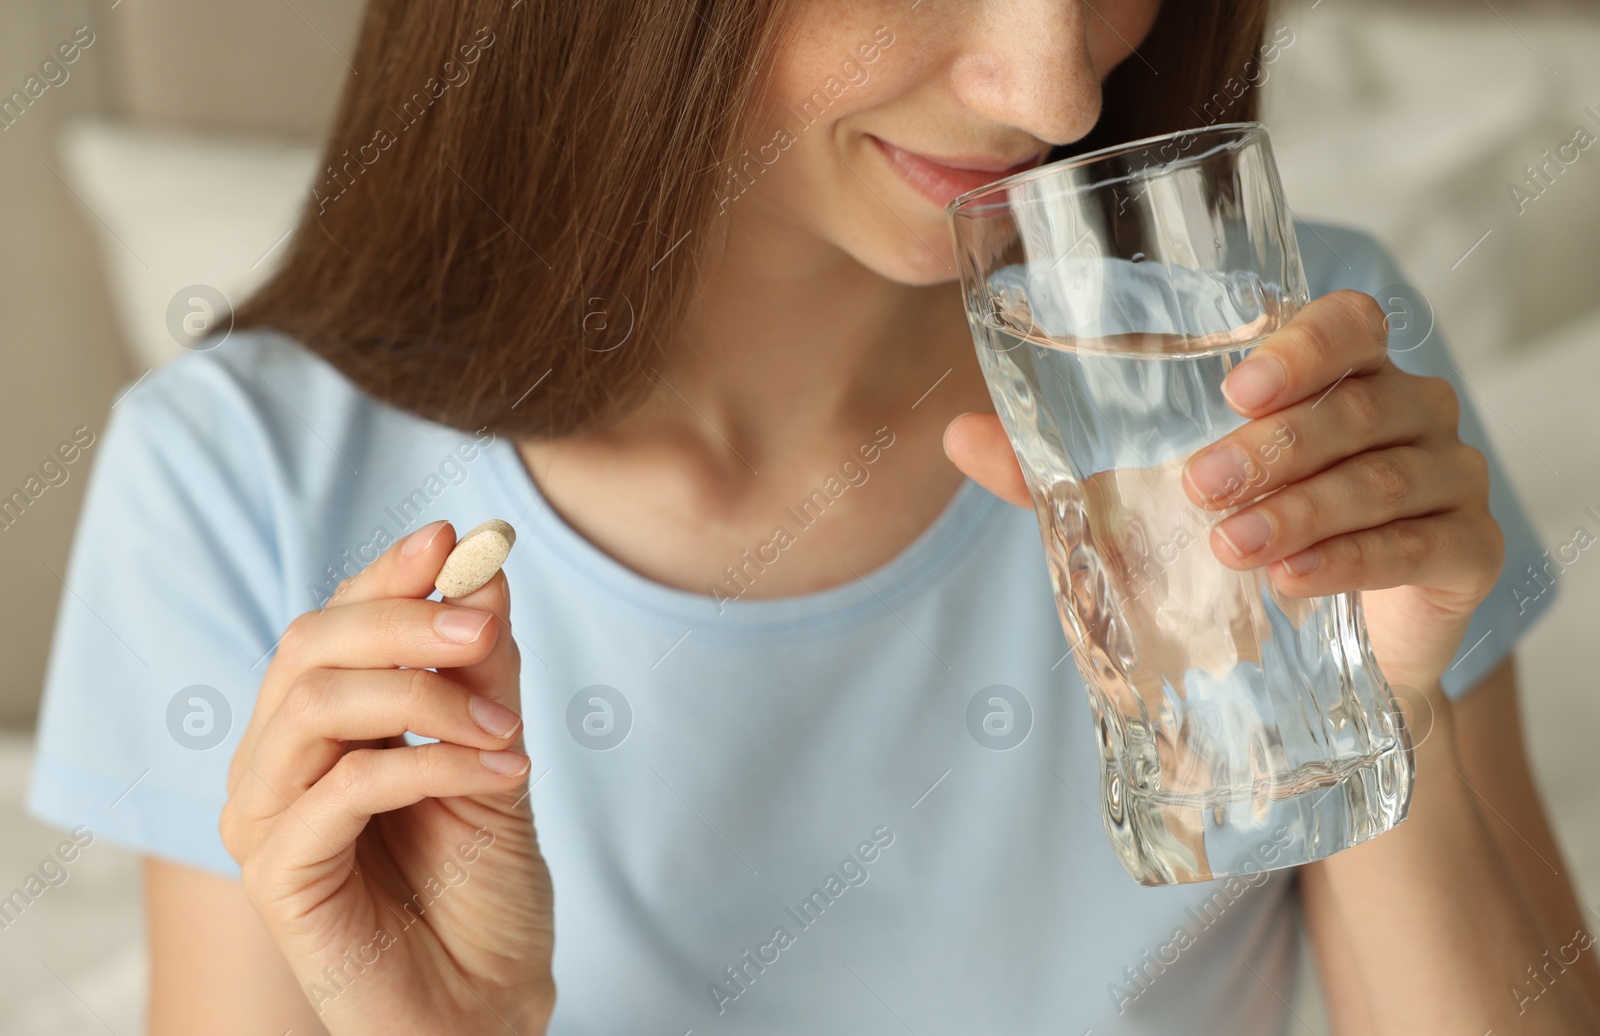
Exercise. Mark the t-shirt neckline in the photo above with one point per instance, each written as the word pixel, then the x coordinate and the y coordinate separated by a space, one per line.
pixel 917 563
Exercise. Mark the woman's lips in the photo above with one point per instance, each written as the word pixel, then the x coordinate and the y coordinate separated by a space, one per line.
pixel 941 182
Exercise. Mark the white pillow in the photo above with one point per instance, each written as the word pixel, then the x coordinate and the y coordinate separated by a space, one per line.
pixel 175 209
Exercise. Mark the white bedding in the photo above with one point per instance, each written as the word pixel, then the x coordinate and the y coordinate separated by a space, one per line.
pixel 76 952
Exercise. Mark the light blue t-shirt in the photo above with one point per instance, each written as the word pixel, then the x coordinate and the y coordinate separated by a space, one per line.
pixel 706 773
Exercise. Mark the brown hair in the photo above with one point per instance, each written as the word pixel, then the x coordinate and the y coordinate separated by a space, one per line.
pixel 506 232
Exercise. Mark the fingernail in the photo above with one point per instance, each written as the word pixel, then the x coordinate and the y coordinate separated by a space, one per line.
pixel 1246 533
pixel 952 423
pixel 506 764
pixel 420 540
pixel 1219 474
pixel 1254 383
pixel 462 625
pixel 1302 563
pixel 493 717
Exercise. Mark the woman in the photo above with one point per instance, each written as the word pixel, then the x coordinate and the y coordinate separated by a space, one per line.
pixel 654 282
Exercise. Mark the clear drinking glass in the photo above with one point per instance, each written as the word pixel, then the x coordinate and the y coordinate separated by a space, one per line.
pixel 1109 294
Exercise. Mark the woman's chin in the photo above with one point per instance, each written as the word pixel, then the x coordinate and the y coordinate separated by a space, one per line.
pixel 906 259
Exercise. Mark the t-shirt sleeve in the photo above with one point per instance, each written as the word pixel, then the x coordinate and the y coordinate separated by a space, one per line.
pixel 1346 258
pixel 170 600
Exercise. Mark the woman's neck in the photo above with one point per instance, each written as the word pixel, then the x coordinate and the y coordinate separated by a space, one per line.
pixel 792 360
pixel 789 340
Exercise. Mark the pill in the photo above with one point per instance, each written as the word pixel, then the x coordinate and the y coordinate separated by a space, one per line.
pixel 476 558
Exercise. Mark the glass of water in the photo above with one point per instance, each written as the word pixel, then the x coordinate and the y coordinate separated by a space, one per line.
pixel 1109 294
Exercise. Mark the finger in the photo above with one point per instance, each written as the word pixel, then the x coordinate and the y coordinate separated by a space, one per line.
pixel 379 634
pixel 1361 492
pixel 328 708
pixel 977 445
pixel 1427 551
pixel 498 675
pixel 1359 414
pixel 326 820
pixel 1339 335
pixel 385 633
pixel 381 621
pixel 406 569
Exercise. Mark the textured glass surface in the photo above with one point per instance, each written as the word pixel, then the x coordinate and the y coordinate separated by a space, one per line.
pixel 1239 730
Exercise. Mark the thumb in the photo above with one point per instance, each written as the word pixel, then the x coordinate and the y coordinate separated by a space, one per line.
pixel 499 675
pixel 977 445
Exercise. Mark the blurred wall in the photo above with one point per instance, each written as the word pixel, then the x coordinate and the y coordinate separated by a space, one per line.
pixel 59 357
pixel 261 66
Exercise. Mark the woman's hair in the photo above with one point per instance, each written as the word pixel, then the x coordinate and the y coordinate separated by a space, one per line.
pixel 515 194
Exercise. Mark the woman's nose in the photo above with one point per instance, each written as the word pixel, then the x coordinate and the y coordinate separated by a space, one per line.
pixel 1026 63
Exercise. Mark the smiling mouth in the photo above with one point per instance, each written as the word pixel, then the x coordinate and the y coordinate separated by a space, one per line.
pixel 942 181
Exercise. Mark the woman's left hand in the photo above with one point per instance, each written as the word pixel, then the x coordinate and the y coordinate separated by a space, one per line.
pixel 1350 475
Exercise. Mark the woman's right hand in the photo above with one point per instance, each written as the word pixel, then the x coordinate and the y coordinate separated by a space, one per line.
pixel 403 884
